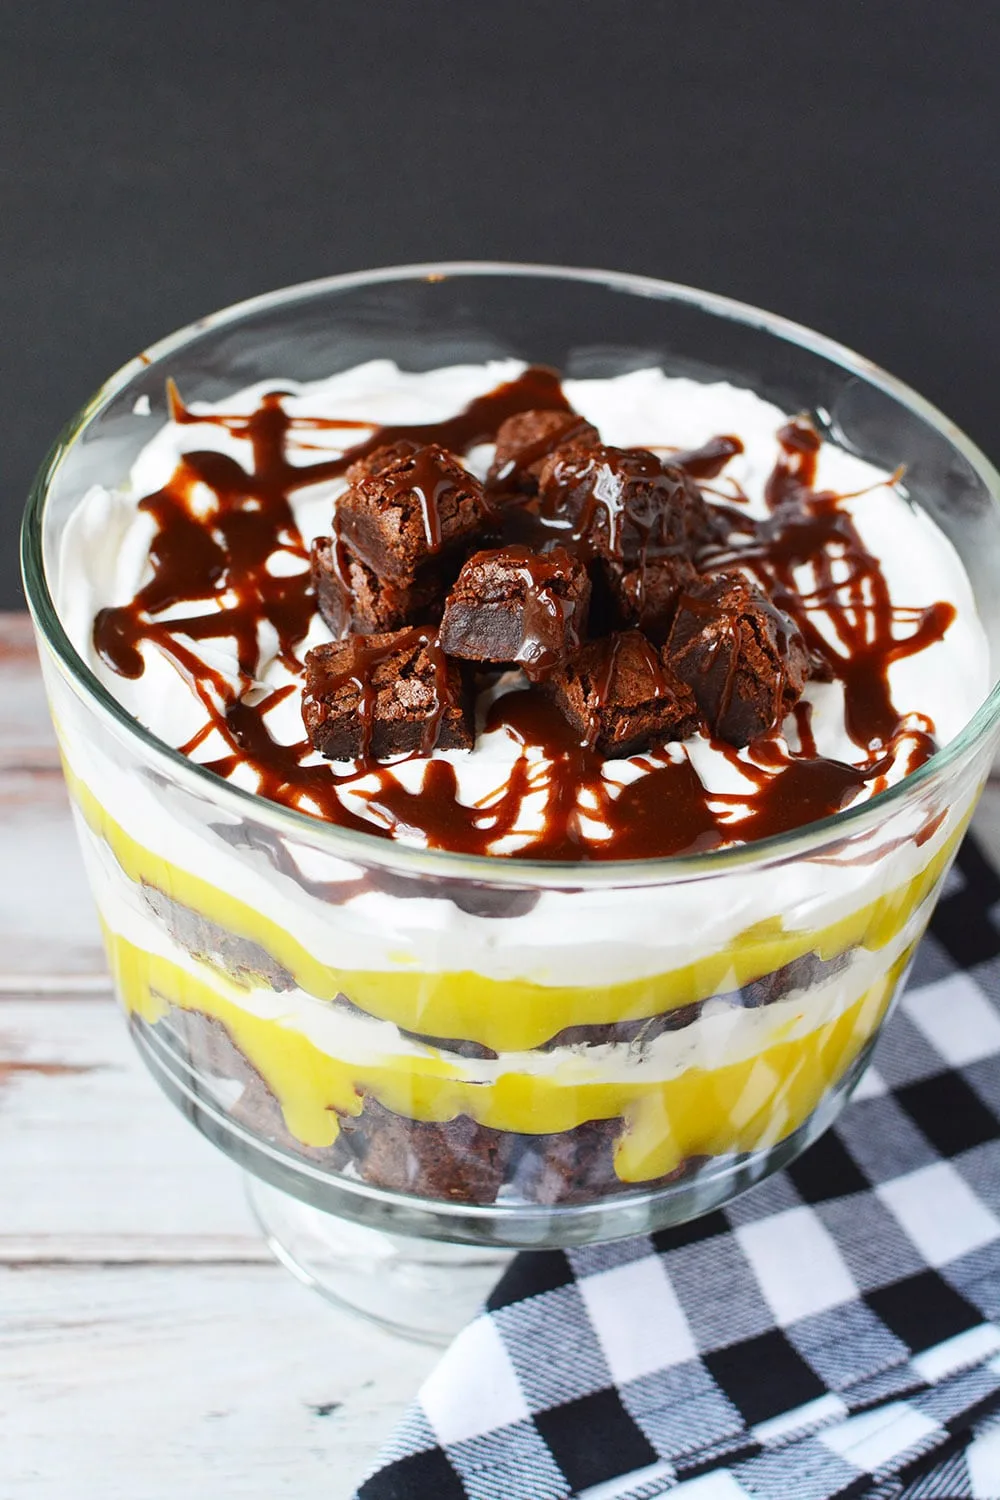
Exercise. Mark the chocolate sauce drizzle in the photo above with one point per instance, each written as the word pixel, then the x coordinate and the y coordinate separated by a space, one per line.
pixel 708 461
pixel 217 526
pixel 811 527
pixel 366 656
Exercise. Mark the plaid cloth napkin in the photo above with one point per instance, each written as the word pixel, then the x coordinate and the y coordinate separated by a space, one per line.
pixel 834 1332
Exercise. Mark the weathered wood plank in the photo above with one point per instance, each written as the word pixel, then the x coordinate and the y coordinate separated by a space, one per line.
pixel 148 1345
pixel 48 925
pixel 48 928
pixel 26 738
pixel 152 1383
pixel 94 1161
pixel 132 1249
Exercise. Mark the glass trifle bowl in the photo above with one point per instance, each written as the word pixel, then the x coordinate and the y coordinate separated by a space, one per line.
pixel 426 1058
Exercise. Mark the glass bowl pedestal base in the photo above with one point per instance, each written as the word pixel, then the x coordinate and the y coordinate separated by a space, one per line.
pixel 423 1289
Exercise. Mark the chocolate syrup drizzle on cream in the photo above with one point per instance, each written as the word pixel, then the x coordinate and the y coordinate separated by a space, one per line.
pixel 209 570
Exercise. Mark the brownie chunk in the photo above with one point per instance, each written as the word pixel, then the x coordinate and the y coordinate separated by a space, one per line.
pixel 620 698
pixel 578 1166
pixel 373 696
pixel 405 505
pixel 515 605
pixel 626 504
pixel 525 441
pixel 240 958
pixel 351 596
pixel 380 460
pixel 207 1047
pixel 647 595
pixel 744 660
pixel 457 1159
pixel 464 1162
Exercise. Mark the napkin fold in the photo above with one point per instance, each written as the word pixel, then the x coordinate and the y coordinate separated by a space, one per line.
pixel 833 1332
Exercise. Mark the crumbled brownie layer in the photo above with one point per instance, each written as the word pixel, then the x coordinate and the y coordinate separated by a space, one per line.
pixel 620 698
pixel 248 964
pixel 209 1050
pixel 800 974
pixel 797 975
pixel 513 606
pixel 577 1166
pixel 241 959
pixel 460 1161
pixel 382 695
pixel 455 1160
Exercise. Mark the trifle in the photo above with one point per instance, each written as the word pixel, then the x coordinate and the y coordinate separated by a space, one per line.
pixel 526 783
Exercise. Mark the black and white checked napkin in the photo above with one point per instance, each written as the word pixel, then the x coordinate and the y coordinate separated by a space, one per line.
pixel 834 1332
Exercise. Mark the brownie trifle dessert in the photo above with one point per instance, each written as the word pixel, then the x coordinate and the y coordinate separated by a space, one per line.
pixel 486 611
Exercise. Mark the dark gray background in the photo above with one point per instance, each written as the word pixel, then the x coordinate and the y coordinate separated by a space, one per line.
pixel 834 162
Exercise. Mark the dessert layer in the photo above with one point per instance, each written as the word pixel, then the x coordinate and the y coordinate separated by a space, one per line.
pixel 744 1102
pixel 725 1026
pixel 883 596
pixel 509 1014
pixel 455 1160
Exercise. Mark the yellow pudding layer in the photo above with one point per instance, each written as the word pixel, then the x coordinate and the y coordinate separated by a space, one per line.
pixel 514 1015
pixel 738 1107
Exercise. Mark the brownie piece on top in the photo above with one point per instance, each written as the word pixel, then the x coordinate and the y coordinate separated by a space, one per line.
pixel 518 606
pixel 525 441
pixel 647 595
pixel 398 531
pixel 379 695
pixel 743 658
pixel 625 503
pixel 350 596
pixel 621 698
pixel 403 505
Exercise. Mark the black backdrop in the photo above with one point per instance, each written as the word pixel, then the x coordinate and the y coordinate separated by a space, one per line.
pixel 835 162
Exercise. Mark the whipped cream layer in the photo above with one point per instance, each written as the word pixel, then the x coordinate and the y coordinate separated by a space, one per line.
pixel 105 561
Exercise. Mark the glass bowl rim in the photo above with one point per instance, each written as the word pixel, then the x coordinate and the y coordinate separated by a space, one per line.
pixel 491 869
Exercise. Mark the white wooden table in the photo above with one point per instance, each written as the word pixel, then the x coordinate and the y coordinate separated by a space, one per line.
pixel 149 1346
